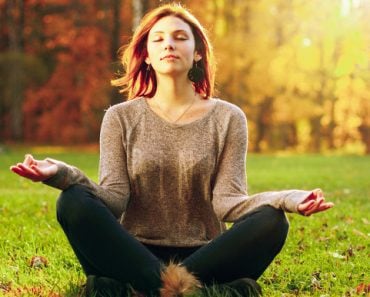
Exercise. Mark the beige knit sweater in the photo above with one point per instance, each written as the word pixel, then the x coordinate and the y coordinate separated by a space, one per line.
pixel 174 185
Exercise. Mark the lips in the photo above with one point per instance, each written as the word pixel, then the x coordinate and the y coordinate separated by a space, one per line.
pixel 169 57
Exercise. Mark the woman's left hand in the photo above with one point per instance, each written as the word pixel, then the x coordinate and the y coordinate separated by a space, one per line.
pixel 314 203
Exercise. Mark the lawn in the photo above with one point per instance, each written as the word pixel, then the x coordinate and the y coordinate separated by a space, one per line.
pixel 325 255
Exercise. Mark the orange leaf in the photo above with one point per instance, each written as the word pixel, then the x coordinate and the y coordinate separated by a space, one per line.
pixel 363 288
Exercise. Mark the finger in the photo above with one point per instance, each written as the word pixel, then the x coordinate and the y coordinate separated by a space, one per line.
pixel 22 172
pixel 307 204
pixel 312 206
pixel 28 159
pixel 303 207
pixel 25 167
pixel 320 207
pixel 310 212
pixel 319 192
pixel 319 201
pixel 316 193
pixel 32 174
pixel 325 206
pixel 15 169
pixel 12 167
pixel 313 195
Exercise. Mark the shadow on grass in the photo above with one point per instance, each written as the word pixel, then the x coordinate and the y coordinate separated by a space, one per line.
pixel 75 290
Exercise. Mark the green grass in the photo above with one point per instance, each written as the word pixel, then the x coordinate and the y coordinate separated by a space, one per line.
pixel 325 255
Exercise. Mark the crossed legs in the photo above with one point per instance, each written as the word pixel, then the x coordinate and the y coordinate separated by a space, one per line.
pixel 104 248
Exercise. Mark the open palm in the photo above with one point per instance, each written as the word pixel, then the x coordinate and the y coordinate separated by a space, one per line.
pixel 35 170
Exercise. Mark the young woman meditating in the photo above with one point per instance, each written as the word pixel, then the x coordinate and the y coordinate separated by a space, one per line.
pixel 172 173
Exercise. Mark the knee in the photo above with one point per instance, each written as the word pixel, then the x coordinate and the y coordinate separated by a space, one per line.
pixel 276 223
pixel 70 203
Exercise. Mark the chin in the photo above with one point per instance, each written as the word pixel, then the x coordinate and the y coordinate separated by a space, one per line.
pixel 172 72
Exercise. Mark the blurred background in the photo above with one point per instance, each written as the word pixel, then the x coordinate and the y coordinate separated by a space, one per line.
pixel 299 69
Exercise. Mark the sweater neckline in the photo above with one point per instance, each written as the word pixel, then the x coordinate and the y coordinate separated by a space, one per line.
pixel 174 125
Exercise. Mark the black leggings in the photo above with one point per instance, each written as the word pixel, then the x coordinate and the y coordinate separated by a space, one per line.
pixel 105 248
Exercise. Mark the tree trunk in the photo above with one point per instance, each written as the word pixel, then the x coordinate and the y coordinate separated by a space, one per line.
pixel 263 122
pixel 365 135
pixel 138 11
pixel 139 8
pixel 331 126
pixel 316 134
pixel 15 24
pixel 115 96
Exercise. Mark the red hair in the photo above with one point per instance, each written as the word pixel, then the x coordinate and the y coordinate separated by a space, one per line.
pixel 139 78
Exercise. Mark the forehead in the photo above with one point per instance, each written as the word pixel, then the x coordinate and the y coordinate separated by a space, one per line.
pixel 170 24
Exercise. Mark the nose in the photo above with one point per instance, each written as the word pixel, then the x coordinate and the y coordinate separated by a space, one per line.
pixel 169 44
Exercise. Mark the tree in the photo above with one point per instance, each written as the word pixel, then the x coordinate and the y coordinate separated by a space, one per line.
pixel 297 68
pixel 15 85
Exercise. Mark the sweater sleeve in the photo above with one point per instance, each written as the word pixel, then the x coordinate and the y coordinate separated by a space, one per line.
pixel 230 199
pixel 113 188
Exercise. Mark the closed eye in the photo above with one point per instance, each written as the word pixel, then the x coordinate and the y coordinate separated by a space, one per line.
pixel 177 35
pixel 157 39
pixel 181 35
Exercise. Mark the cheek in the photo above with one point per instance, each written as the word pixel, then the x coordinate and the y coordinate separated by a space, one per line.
pixel 190 51
pixel 149 53
pixel 152 51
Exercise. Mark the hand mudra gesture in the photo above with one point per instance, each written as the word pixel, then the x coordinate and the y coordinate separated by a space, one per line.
pixel 35 170
pixel 314 203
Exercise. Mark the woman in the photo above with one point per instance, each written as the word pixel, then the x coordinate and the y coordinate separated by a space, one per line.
pixel 172 172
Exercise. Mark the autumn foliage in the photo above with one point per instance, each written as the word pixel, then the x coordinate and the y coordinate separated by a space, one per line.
pixel 299 69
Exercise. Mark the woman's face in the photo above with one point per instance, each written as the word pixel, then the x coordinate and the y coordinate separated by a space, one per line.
pixel 171 46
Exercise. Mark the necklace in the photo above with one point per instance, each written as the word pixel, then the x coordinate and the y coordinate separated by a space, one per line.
pixel 179 117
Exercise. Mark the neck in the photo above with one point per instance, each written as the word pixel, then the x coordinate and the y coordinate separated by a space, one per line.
pixel 172 91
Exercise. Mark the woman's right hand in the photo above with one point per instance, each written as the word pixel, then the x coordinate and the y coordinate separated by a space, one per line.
pixel 35 170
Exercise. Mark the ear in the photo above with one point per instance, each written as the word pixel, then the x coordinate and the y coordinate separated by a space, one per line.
pixel 197 57
pixel 147 60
